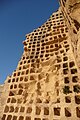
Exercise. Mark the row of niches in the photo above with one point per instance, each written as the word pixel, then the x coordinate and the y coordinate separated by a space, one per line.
pixel 47 44
pixel 68 69
pixel 61 30
pixel 67 89
pixel 53 23
pixel 48 48
pixel 43 111
pixel 47 24
pixel 47 37
pixel 54 15
pixel 43 55
pixel 25 82
pixel 71 79
pixel 56 18
pixel 43 33
pixel 24 99
pixel 58 23
pixel 70 73
pixel 10 117
pixel 24 64
pixel 20 91
pixel 34 57
pixel 49 41
pixel 58 32
pixel 52 20
pixel 70 64
pixel 60 57
pixel 24 74
pixel 31 66
pixel 46 29
pixel 21 88
pixel 46 51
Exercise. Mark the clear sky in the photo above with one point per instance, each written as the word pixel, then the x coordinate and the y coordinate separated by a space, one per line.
pixel 17 18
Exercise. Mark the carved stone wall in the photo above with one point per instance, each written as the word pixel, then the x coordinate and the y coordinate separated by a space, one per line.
pixel 1 89
pixel 46 82
pixel 4 91
pixel 71 12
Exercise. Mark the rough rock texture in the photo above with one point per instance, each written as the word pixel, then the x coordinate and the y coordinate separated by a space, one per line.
pixel 46 82
pixel 71 12
pixel 4 90
pixel 1 89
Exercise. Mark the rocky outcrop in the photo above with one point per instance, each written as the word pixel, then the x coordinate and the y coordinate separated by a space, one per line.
pixel 71 12
pixel 46 82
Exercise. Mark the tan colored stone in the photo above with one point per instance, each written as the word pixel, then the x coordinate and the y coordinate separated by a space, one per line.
pixel 46 82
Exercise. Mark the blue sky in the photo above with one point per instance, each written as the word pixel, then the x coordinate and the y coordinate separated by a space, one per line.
pixel 17 18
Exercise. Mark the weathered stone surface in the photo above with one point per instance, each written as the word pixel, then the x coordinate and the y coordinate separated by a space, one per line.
pixel 72 15
pixel 46 82
pixel 4 91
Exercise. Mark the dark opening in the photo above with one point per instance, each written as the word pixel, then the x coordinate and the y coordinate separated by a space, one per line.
pixel 68 99
pixel 74 79
pixel 67 112
pixel 77 99
pixel 78 112
pixel 66 80
pixel 57 111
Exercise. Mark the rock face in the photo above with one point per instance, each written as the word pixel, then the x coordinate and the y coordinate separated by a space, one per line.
pixel 4 91
pixel 46 82
pixel 71 12
pixel 1 89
